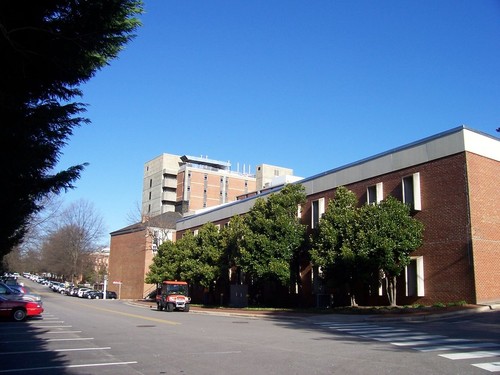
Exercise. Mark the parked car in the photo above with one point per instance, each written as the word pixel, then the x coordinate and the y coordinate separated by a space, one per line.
pixel 98 294
pixel 57 287
pixel 81 291
pixel 92 294
pixel 18 309
pixel 9 292
pixel 87 293
pixel 111 295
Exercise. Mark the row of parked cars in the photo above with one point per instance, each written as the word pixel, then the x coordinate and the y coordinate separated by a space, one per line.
pixel 75 291
pixel 16 301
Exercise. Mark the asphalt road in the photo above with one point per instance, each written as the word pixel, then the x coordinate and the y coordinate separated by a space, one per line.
pixel 79 336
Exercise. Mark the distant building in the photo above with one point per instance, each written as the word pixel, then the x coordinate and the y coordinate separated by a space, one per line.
pixel 101 263
pixel 270 175
pixel 186 184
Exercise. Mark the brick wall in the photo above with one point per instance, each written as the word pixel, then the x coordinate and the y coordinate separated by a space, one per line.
pixel 484 186
pixel 448 270
pixel 127 264
pixel 461 261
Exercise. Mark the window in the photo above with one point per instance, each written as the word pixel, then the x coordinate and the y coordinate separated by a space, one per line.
pixel 375 193
pixel 411 191
pixel 414 277
pixel 149 195
pixel 318 209
pixel 150 183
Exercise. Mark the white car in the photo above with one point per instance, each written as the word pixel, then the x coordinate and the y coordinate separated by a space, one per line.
pixel 81 291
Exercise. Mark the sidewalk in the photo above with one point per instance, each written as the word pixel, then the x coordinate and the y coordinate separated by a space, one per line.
pixel 403 314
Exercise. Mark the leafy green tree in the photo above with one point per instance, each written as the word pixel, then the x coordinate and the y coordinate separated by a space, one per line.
pixel 166 264
pixel 335 247
pixel 275 235
pixel 202 263
pixel 389 234
pixel 48 49
pixel 193 258
pixel 232 242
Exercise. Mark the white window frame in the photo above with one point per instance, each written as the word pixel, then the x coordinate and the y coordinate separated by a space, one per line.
pixel 420 277
pixel 379 191
pixel 417 199
pixel 321 210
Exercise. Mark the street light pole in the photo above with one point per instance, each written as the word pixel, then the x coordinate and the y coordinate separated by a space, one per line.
pixel 105 288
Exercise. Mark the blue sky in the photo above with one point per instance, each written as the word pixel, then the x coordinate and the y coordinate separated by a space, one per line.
pixel 309 85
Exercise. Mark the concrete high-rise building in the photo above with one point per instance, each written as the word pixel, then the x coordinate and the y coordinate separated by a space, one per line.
pixel 270 175
pixel 159 189
pixel 185 183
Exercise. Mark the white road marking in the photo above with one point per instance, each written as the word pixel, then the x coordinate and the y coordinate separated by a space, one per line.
pixel 491 367
pixel 55 350
pixel 404 337
pixel 423 342
pixel 475 345
pixel 471 355
pixel 67 366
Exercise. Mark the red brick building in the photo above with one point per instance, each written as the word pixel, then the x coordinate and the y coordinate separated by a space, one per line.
pixel 451 180
pixel 131 252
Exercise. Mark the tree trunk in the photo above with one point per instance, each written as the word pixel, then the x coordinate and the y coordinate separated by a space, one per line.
pixel 352 295
pixel 390 284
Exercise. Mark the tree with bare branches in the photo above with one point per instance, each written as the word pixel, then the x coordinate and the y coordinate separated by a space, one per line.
pixel 67 250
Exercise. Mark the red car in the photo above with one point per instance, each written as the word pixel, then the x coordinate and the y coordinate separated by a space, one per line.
pixel 18 309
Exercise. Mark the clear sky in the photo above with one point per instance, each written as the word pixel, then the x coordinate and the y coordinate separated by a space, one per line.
pixel 308 85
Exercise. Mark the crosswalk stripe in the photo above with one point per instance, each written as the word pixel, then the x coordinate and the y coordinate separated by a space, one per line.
pixel 387 335
pixel 475 345
pixel 423 342
pixel 405 337
pixel 471 355
pixel 491 367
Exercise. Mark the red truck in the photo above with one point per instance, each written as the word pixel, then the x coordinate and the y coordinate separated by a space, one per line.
pixel 173 295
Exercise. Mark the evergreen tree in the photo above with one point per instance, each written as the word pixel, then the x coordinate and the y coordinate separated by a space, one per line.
pixel 48 49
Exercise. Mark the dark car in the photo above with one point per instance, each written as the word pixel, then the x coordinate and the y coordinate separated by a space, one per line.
pixel 98 294
pixel 111 295
pixel 18 309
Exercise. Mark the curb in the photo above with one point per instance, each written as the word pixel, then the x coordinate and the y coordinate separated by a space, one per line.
pixel 436 316
pixel 223 312
pixel 430 316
